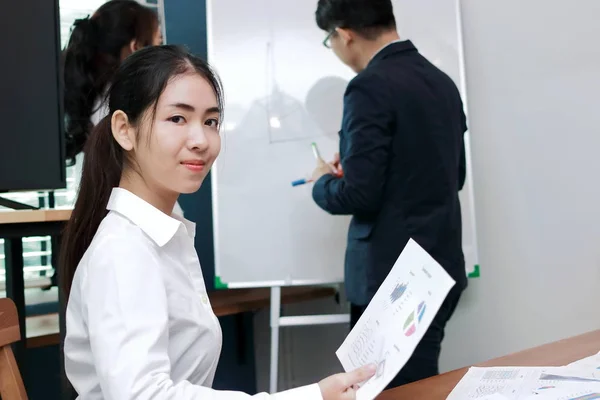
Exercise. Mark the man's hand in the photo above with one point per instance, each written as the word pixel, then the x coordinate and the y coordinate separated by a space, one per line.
pixel 336 165
pixel 322 169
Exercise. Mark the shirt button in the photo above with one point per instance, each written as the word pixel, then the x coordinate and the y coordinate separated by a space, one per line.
pixel 204 299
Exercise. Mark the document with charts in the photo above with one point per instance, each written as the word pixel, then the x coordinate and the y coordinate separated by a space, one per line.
pixel 396 318
pixel 524 383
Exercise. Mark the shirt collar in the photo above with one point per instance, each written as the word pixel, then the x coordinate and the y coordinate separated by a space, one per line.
pixel 390 43
pixel 157 225
pixel 393 47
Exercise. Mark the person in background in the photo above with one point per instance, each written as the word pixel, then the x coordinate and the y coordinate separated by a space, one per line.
pixel 139 324
pixel 401 162
pixel 96 47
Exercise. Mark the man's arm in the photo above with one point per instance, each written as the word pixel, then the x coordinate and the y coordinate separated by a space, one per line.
pixel 368 137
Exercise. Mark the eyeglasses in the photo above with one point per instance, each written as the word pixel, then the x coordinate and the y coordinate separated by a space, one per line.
pixel 327 40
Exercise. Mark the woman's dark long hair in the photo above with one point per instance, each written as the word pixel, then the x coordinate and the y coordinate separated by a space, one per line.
pixel 91 58
pixel 135 90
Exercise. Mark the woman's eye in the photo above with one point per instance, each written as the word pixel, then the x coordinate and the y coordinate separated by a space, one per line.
pixel 177 119
pixel 213 123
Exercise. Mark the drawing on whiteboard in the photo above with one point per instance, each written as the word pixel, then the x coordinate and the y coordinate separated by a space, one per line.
pixel 288 119
pixel 414 319
pixel 285 117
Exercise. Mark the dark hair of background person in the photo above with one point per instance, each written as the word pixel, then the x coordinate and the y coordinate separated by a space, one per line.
pixel 135 90
pixel 91 58
pixel 368 18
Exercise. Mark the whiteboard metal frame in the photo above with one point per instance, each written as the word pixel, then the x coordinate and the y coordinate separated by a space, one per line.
pixel 280 283
pixel 467 139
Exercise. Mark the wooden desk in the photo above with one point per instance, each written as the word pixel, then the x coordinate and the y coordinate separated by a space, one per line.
pixel 29 216
pixel 552 355
pixel 235 301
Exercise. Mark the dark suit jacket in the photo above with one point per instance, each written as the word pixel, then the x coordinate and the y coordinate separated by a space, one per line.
pixel 402 153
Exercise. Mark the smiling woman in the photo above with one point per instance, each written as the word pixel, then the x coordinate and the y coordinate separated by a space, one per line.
pixel 181 140
pixel 156 337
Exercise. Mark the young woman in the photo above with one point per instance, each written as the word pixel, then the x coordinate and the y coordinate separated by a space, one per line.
pixel 139 323
pixel 96 48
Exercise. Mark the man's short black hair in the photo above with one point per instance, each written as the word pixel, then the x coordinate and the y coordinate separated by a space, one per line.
pixel 368 18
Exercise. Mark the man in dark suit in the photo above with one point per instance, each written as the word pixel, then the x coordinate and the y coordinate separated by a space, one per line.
pixel 401 162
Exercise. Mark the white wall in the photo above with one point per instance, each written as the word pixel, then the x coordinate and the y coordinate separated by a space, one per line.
pixel 533 83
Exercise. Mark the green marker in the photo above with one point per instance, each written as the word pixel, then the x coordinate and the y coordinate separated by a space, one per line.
pixel 316 151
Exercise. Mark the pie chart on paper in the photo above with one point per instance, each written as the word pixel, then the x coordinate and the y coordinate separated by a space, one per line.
pixel 414 320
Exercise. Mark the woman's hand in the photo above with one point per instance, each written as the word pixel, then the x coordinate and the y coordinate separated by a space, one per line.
pixel 343 386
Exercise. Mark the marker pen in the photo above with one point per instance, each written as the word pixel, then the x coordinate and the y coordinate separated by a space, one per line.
pixel 301 182
pixel 315 150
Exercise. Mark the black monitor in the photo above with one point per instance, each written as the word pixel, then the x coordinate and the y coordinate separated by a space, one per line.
pixel 31 121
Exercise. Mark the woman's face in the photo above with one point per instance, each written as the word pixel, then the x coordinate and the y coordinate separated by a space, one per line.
pixel 179 144
pixel 157 38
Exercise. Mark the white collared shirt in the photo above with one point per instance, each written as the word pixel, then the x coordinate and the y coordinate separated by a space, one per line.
pixel 139 322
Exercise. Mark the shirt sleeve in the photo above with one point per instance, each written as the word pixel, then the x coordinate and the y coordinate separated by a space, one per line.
pixel 127 317
pixel 367 132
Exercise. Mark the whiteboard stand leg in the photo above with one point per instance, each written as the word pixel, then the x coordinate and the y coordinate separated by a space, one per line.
pixel 275 315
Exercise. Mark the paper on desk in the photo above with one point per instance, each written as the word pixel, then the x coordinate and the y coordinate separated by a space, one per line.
pixel 577 391
pixel 520 383
pixel 396 318
pixel 592 362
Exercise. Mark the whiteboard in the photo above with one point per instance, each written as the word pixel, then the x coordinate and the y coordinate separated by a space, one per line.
pixel 284 90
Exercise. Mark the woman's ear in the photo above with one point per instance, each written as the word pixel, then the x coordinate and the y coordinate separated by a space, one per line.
pixel 129 49
pixel 134 46
pixel 122 130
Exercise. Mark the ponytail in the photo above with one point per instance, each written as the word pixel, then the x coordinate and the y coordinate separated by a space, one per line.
pixel 81 86
pixel 102 167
